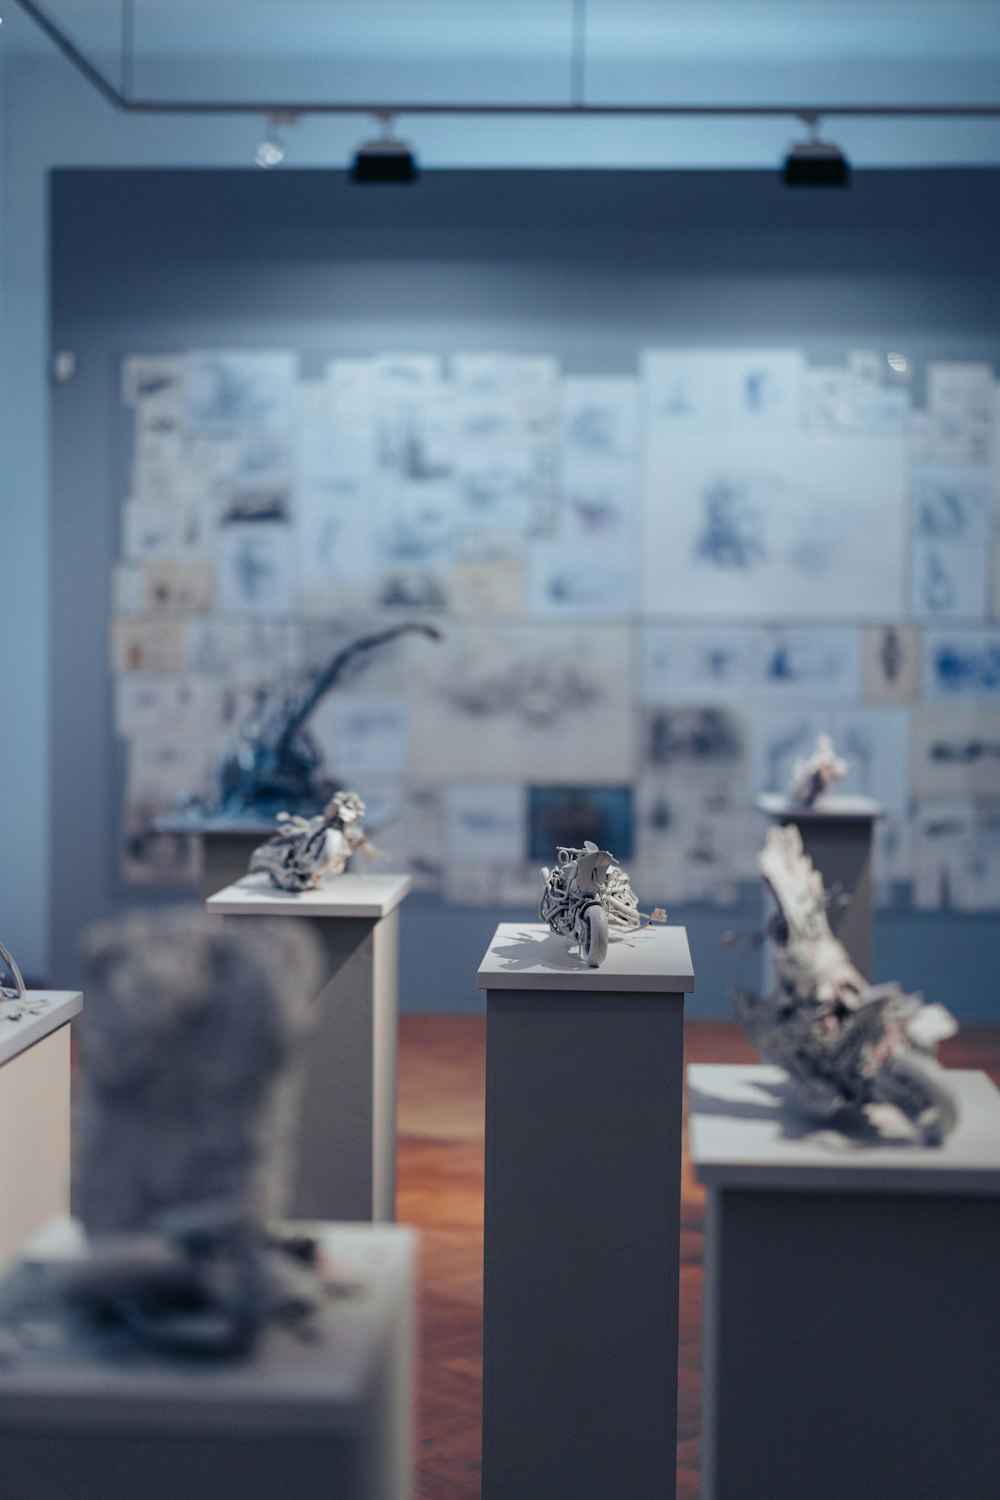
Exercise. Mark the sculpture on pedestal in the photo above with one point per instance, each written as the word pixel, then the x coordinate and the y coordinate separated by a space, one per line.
pixel 305 851
pixel 845 1044
pixel 814 776
pixel 191 1038
pixel 277 764
pixel 585 895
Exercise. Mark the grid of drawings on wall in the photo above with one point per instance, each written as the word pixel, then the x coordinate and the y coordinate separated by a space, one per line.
pixel 654 590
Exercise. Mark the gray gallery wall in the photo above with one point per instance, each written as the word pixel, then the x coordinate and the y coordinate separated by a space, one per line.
pixel 589 266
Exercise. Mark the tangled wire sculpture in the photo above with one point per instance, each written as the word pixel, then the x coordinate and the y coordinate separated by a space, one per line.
pixel 845 1044
pixel 585 895
pixel 306 851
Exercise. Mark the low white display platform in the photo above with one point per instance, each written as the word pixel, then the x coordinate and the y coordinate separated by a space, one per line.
pixel 580 1283
pixel 346 1166
pixel 851 1298
pixel 34 1113
pixel 308 1419
pixel 837 833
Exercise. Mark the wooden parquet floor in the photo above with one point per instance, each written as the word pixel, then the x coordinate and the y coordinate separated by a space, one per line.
pixel 440 1190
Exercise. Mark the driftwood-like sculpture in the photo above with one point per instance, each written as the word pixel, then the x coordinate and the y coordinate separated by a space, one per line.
pixel 14 990
pixel 817 773
pixel 845 1044
pixel 277 765
pixel 305 851
pixel 190 1100
pixel 586 894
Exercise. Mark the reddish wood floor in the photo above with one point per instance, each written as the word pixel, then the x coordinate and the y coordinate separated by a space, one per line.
pixel 441 1096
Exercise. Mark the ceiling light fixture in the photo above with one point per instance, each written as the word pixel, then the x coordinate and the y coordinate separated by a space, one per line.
pixel 270 152
pixel 384 159
pixel 816 163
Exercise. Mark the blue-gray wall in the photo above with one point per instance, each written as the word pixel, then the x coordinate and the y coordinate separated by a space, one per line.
pixel 591 266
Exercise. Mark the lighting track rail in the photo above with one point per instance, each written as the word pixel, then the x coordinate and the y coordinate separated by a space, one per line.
pixel 576 106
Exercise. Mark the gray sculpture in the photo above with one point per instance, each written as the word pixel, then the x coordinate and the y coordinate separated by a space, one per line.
pixel 845 1044
pixel 306 851
pixel 277 764
pixel 586 894
pixel 813 777
pixel 190 1100
pixel 14 990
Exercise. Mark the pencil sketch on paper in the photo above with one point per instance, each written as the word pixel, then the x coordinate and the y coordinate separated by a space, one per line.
pixel 951 507
pixel 846 1045
pixel 234 391
pixel 734 522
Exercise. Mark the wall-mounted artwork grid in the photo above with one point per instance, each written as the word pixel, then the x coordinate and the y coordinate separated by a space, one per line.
pixel 655 589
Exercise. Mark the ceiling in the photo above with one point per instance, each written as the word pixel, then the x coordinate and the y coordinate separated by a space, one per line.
pixel 634 52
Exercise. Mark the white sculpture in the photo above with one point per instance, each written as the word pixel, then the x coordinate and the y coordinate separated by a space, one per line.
pixel 845 1044
pixel 815 775
pixel 306 851
pixel 190 1098
pixel 585 895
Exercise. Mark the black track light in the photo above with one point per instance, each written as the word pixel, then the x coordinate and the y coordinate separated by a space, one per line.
pixel 816 163
pixel 384 159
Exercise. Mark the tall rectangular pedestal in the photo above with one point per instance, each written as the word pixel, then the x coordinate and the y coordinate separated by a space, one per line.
pixel 34 1113
pixel 583 1124
pixel 346 1160
pixel 851 1300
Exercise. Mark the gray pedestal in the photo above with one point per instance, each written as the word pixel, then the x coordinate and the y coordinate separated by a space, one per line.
pixel 837 836
pixel 346 1167
pixel 580 1278
pixel 34 1113
pixel 851 1302
pixel 226 845
pixel 303 1419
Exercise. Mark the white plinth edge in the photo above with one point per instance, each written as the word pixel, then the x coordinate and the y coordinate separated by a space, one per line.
pixel 341 896
pixel 55 1008
pixel 834 808
pixel 744 1131
pixel 527 956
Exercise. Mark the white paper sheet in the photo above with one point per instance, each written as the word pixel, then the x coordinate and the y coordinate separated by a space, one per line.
pixel 254 569
pixel 738 526
pixel 961 664
pixel 951 515
pixel 140 644
pixel 178 588
pixel 956 751
pixel 698 663
pixel 764 388
pixel 810 661
pixel 547 703
pixel 685 389
pixel 484 823
pixel 230 391
pixel 364 735
pixel 891 663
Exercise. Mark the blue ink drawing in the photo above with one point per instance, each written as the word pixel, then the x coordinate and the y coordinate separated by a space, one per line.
pixel 731 535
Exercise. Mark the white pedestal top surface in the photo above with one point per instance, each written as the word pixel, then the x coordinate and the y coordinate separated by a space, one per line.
pixel 191 822
pixel 528 956
pixel 286 1384
pixel 835 807
pixel 340 896
pixel 41 1012
pixel 745 1131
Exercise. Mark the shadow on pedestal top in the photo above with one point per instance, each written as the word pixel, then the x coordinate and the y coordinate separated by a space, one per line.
pixel 339 896
pixel 527 956
pixel 834 808
pixel 746 1131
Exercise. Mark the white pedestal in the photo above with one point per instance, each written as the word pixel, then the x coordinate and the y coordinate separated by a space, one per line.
pixel 298 1420
pixel 837 836
pixel 580 1283
pixel 852 1299
pixel 34 1115
pixel 346 1166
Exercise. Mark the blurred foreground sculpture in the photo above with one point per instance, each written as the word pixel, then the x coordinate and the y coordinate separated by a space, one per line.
pixel 191 1091
pixel 14 990
pixel 815 775
pixel 305 851
pixel 585 895
pixel 277 765
pixel 845 1044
